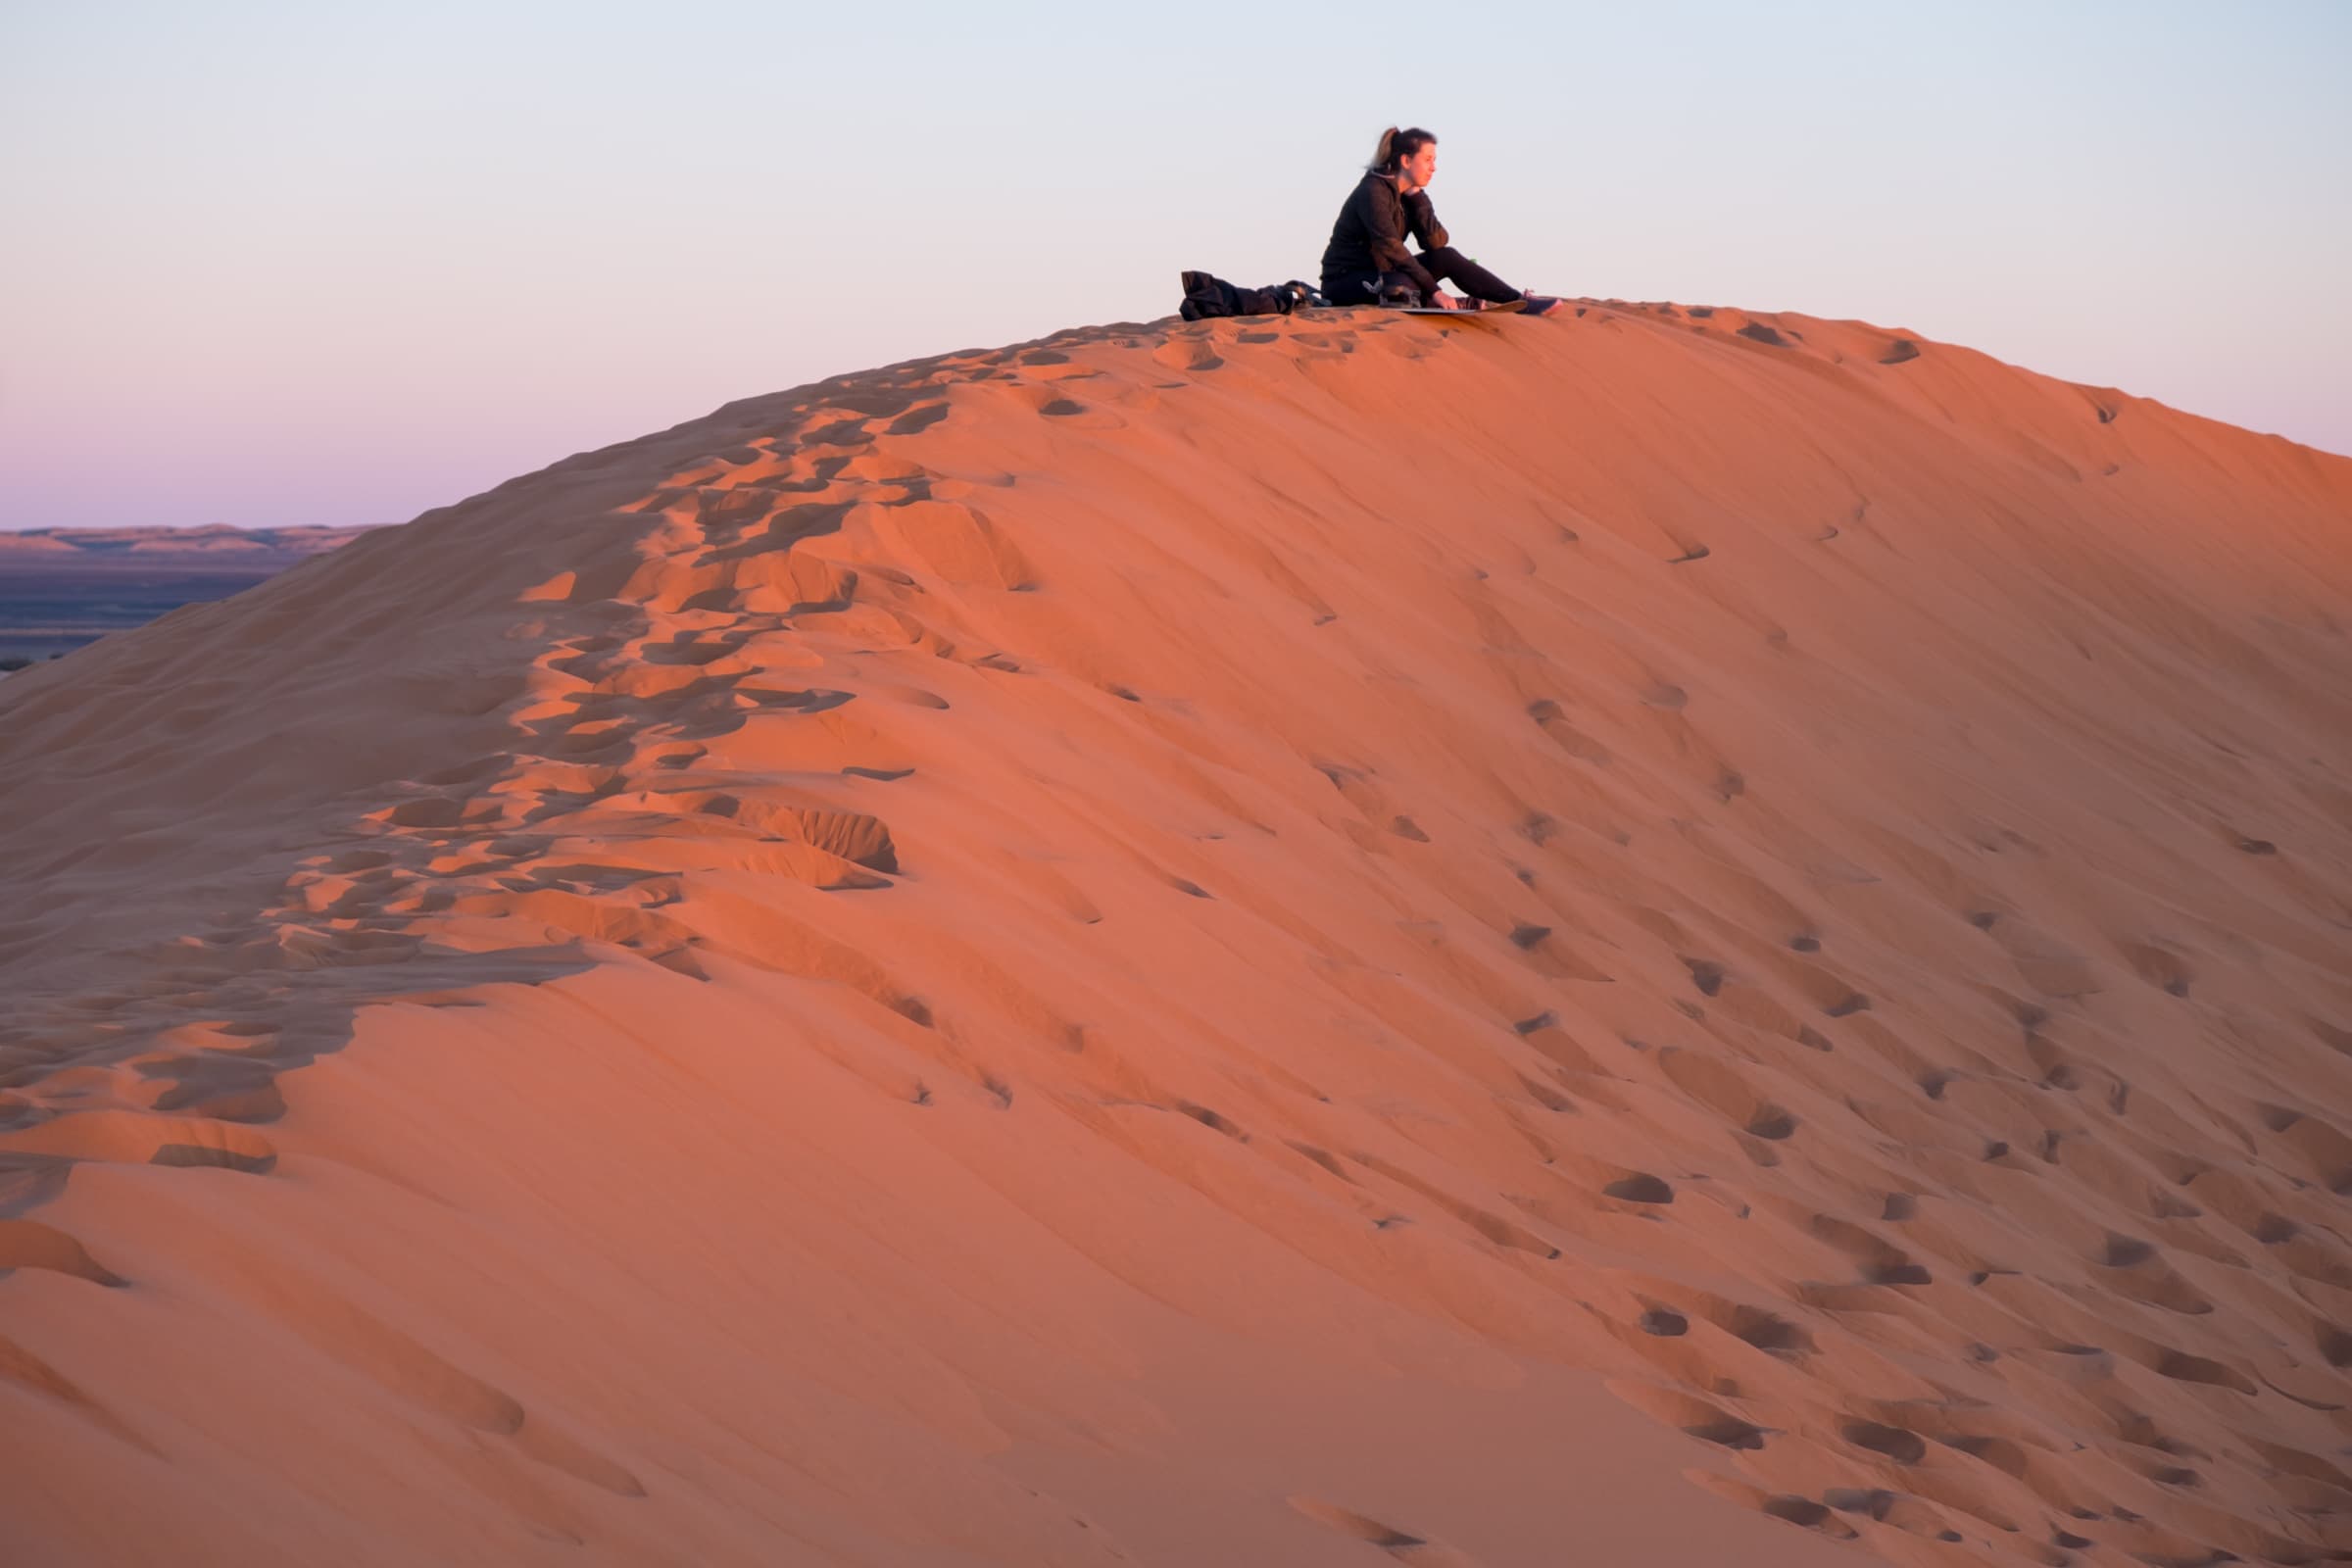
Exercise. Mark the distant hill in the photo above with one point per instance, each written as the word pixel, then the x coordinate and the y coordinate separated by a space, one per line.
pixel 62 588
pixel 216 541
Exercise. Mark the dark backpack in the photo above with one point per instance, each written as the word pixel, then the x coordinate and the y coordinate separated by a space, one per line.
pixel 1206 295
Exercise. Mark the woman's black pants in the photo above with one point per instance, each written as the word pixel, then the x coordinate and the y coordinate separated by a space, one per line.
pixel 1446 263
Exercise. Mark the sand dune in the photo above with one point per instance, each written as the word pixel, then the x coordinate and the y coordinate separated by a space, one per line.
pixel 1650 937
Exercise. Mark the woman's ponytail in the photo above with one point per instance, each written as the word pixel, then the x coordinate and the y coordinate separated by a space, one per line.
pixel 1396 146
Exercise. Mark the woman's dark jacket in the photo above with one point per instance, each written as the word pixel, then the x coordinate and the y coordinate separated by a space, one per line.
pixel 1369 237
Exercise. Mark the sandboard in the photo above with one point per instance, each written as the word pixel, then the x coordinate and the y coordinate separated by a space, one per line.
pixel 1503 309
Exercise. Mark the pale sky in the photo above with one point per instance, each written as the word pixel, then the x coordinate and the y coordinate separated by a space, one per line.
pixel 325 262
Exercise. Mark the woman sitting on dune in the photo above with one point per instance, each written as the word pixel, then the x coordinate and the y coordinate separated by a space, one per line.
pixel 1366 261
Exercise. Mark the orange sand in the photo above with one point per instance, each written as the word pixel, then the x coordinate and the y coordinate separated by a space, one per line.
pixel 1648 938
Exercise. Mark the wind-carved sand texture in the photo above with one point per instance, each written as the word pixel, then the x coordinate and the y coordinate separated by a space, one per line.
pixel 1649 937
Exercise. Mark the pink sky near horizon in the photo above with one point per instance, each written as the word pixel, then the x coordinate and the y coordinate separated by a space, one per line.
pixel 274 265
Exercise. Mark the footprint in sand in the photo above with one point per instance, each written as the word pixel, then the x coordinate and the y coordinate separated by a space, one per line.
pixel 29 1244
pixel 1401 1545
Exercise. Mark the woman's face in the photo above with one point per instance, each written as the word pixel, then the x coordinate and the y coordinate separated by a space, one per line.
pixel 1422 167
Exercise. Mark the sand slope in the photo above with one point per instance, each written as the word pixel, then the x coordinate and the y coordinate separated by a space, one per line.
pixel 1655 937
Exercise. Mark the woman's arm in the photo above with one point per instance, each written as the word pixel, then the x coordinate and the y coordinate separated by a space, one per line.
pixel 1388 247
pixel 1422 219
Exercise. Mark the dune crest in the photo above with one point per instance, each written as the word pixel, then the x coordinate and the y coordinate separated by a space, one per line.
pixel 1662 935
